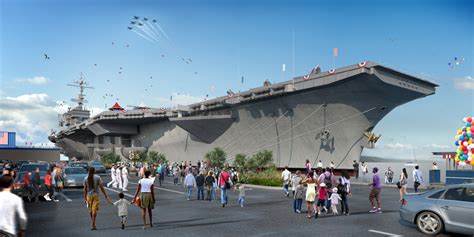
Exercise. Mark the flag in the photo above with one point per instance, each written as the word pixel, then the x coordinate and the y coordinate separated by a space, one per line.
pixel 336 51
pixel 283 67
pixel 242 79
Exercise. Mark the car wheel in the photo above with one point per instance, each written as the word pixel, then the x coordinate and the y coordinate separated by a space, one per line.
pixel 429 223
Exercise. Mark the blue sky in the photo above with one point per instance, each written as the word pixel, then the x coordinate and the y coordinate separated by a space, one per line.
pixel 417 37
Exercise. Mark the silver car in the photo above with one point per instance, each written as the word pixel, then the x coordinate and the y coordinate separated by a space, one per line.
pixel 74 176
pixel 450 209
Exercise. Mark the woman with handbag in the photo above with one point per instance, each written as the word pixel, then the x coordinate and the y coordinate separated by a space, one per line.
pixel 147 197
pixel 402 183
pixel 224 185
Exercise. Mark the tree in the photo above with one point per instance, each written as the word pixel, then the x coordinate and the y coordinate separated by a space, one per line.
pixel 110 158
pixel 156 157
pixel 216 157
pixel 260 161
pixel 143 157
pixel 240 163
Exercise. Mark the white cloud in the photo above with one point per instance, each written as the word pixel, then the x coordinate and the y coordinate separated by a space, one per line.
pixel 464 83
pixel 38 80
pixel 406 150
pixel 437 146
pixel 398 146
pixel 178 99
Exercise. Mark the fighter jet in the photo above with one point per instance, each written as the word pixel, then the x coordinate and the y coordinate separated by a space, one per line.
pixel 136 17
pixel 145 19
pixel 133 22
pixel 140 24
pixel 154 21
pixel 130 28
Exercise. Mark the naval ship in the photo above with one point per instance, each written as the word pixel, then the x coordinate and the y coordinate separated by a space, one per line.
pixel 327 116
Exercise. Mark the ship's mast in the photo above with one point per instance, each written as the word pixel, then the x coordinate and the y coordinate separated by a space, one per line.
pixel 80 99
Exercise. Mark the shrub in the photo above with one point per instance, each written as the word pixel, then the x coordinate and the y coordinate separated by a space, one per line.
pixel 216 157
pixel 110 159
pixel 156 157
pixel 240 163
pixel 269 177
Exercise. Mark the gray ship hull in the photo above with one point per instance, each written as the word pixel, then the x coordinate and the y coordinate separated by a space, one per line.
pixel 323 118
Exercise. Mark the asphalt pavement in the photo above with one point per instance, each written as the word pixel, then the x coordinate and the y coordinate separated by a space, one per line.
pixel 266 213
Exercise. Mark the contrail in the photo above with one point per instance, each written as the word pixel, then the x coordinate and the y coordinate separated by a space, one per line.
pixel 162 31
pixel 138 33
pixel 153 28
pixel 147 31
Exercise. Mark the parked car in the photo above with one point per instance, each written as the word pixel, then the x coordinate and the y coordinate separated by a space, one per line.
pixel 83 165
pixel 19 184
pixel 449 209
pixel 74 176
pixel 99 167
pixel 32 167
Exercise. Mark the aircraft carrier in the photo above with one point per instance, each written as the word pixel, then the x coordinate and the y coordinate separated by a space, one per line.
pixel 326 116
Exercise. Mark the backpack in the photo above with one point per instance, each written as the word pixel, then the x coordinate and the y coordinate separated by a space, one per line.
pixel 341 188
pixel 327 181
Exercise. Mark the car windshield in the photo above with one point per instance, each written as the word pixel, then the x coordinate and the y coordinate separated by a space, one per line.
pixel 78 164
pixel 75 171
pixel 32 167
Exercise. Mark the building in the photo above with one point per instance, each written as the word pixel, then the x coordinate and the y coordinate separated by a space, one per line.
pixel 9 150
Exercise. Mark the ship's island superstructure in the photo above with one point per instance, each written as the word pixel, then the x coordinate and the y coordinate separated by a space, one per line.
pixel 326 116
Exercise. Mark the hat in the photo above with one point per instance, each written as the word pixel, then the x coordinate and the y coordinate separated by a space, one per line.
pixel 334 190
pixel 322 185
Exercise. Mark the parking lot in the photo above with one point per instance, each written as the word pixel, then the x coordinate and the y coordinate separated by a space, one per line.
pixel 266 213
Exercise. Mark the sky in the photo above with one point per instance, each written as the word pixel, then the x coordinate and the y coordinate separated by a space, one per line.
pixel 222 41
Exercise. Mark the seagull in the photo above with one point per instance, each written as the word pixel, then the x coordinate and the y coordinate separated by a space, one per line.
pixel 46 57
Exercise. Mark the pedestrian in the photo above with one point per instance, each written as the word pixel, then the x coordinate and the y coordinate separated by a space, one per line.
pixel 200 186
pixel 375 192
pixel 92 184
pixel 224 185
pixel 118 177
pixel 335 198
pixel 329 180
pixel 162 172
pixel 319 167
pixel 403 183
pixel 417 178
pixel 389 176
pixel 214 188
pixel 332 166
pixel 122 206
pixel 11 207
pixel 310 193
pixel 27 186
pixel 365 171
pixel 113 181
pixel 344 189
pixel 298 197
pixel 147 197
pixel 36 182
pixel 175 174
pixel 295 180
pixel 48 180
pixel 189 183
pixel 59 183
pixel 285 175
pixel 322 196
pixel 181 175
pixel 356 168
pixel 434 166
pixel 124 178
pixel 209 182
pixel 241 189
pixel 199 165
pixel 308 167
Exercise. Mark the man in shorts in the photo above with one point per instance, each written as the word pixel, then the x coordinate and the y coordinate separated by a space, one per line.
pixel 92 184
pixel 375 192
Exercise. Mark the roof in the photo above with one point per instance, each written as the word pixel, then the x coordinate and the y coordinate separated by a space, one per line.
pixel 116 106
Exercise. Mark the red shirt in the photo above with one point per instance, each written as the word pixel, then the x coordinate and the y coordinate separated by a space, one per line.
pixel 322 193
pixel 224 177
pixel 27 180
pixel 47 180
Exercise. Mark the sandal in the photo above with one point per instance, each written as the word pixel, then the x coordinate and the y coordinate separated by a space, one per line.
pixel 309 217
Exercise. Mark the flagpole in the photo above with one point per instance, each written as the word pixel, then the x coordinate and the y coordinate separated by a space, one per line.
pixel 293 57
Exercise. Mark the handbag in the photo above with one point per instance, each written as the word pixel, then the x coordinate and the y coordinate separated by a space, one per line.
pixel 137 201
pixel 399 185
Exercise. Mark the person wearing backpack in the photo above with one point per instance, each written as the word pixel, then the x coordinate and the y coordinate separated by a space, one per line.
pixel 327 178
pixel 344 189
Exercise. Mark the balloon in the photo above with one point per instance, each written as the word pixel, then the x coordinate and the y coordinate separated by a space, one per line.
pixel 462 163
pixel 464 144
pixel 472 129
pixel 469 134
pixel 456 143
pixel 472 162
pixel 469 119
pixel 461 137
pixel 459 131
pixel 468 124
pixel 464 120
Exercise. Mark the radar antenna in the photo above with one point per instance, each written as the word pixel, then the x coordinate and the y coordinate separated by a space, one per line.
pixel 81 84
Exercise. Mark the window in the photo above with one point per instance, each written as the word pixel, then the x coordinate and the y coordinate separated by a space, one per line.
pixel 465 194
pixel 437 194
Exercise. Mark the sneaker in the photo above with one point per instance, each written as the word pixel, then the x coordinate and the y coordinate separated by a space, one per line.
pixel 373 210
pixel 242 205
pixel 56 200
pixel 125 190
pixel 378 210
pixel 298 211
pixel 123 226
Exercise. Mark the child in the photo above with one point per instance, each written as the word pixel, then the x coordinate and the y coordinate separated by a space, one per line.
pixel 241 194
pixel 299 192
pixel 322 193
pixel 122 205
pixel 334 201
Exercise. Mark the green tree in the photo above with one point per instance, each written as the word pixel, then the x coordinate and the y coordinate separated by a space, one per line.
pixel 156 157
pixel 143 157
pixel 260 161
pixel 216 157
pixel 110 158
pixel 240 163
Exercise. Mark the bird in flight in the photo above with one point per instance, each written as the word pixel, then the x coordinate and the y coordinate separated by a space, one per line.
pixel 46 57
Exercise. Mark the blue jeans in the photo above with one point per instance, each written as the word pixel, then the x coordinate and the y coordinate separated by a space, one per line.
pixel 189 191
pixel 224 196
pixel 200 193
pixel 241 200
pixel 213 193
pixel 285 188
pixel 344 205
pixel 297 204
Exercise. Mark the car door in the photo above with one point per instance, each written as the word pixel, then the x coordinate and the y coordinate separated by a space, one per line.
pixel 457 207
